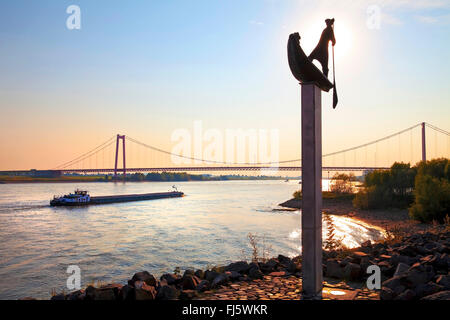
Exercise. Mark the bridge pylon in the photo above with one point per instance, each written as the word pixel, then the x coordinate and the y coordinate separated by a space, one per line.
pixel 120 137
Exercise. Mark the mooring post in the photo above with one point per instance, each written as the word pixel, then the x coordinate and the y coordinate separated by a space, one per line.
pixel 311 191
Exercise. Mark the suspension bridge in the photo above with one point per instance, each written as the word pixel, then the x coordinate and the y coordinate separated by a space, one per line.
pixel 123 155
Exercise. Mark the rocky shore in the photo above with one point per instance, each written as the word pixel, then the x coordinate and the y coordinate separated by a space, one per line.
pixel 414 267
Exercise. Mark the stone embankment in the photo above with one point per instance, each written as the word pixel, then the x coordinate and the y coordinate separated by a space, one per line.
pixel 417 267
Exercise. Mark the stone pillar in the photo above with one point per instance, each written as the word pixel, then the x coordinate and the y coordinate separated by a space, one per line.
pixel 311 191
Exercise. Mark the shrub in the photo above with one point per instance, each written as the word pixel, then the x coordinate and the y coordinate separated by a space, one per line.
pixel 432 191
pixel 387 188
pixel 342 183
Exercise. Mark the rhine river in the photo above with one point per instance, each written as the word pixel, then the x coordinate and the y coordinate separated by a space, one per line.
pixel 111 242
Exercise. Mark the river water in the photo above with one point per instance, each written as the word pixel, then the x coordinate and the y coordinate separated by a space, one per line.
pixel 111 242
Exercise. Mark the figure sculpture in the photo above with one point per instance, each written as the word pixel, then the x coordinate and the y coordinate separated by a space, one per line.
pixel 302 66
pixel 320 52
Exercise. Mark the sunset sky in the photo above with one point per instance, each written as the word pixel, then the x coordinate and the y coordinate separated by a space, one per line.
pixel 147 68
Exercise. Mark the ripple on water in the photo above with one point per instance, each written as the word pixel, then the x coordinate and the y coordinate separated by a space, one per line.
pixel 111 242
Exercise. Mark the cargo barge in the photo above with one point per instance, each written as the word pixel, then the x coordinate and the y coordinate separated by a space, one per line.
pixel 82 198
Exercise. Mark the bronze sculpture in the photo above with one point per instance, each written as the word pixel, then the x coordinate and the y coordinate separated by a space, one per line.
pixel 301 65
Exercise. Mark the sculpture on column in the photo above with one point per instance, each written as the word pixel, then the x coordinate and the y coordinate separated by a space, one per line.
pixel 302 66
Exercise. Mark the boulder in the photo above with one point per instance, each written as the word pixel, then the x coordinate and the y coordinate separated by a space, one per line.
pixel 200 274
pixel 396 284
pixel 386 293
pixel 204 285
pixel 269 266
pixel 143 291
pixel 171 278
pixel 334 270
pixel 358 255
pixel 127 293
pixel 418 274
pixel 423 290
pixel 406 295
pixel 167 292
pixel 255 273
pixel 188 294
pixel 143 276
pixel 443 295
pixel 240 266
pixel 444 281
pixel 407 250
pixel 108 292
pixel 58 297
pixel 211 275
pixel 189 282
pixel 352 271
pixel 401 269
pixel 221 279
pixel 233 275
pixel 284 260
pixel 189 272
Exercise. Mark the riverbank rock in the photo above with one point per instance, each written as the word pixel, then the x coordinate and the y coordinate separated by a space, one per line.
pixel 167 292
pixel 189 282
pixel 170 278
pixel 143 276
pixel 143 291
pixel 240 266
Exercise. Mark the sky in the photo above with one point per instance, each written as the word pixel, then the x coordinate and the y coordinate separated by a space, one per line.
pixel 148 68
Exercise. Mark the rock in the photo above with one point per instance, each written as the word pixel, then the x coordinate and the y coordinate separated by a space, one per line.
pixel 277 274
pixel 127 293
pixel 406 295
pixel 444 281
pixel 255 273
pixel 284 260
pixel 58 297
pixel 352 271
pixel 189 282
pixel 204 285
pixel 334 270
pixel 293 267
pixel 407 250
pixel 221 279
pixel 167 292
pixel 418 274
pixel 386 293
pixel 401 269
pixel 200 274
pixel 443 295
pixel 240 266
pixel 269 266
pixel 386 268
pixel 358 255
pixel 144 276
pixel 188 294
pixel 171 278
pixel 189 272
pixel 76 295
pixel 233 275
pixel 423 290
pixel 396 284
pixel 90 293
pixel 211 275
pixel 143 291
pixel 108 292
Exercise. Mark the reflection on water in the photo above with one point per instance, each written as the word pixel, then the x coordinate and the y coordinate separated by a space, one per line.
pixel 111 242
